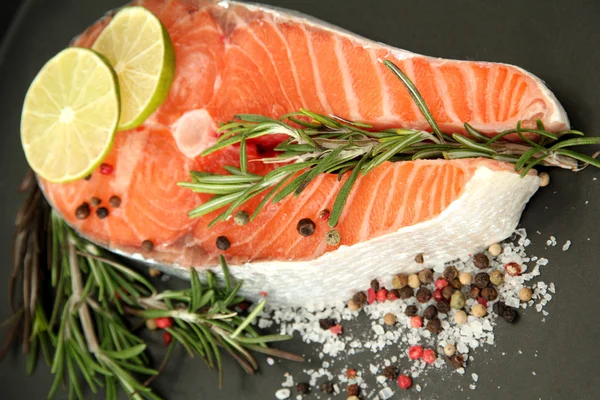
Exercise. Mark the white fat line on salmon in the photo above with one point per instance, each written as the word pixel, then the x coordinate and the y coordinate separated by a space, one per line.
pixel 348 82
pixel 315 66
pixel 385 92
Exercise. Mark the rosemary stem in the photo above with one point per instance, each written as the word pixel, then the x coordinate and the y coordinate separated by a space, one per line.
pixel 554 160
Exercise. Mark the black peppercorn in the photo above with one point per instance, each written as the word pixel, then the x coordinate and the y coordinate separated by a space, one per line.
pixel 326 323
pixel 88 177
pixel 83 211
pixel 306 227
pixel 360 298
pixel 406 292
pixel 443 307
pixel 430 312
pixel 458 360
pixel 95 202
pixel 482 279
pixel 114 201
pixel 425 276
pixel 102 212
pixel 456 284
pixel 499 307
pixel 423 295
pixel 353 390
pixel 302 388
pixel 447 292
pixel 489 293
pixel 223 243
pixel 474 292
pixel 509 314
pixel 434 326
pixel 390 372
pixel 411 311
pixel 481 261
pixel 375 285
pixel 327 387
pixel 147 245
pixel 419 259
pixel 450 273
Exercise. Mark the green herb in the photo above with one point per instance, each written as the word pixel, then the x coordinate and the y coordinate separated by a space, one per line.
pixel 86 334
pixel 320 144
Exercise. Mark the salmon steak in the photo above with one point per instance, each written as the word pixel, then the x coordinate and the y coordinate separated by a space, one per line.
pixel 236 58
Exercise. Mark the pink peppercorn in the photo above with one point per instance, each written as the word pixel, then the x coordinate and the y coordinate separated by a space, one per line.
pixel 416 321
pixel 392 295
pixel 164 322
pixel 382 295
pixel 437 295
pixel 167 337
pixel 336 329
pixel 429 356
pixel 513 269
pixel 441 283
pixel 106 169
pixel 263 294
pixel 415 352
pixel 371 296
pixel 482 301
pixel 404 381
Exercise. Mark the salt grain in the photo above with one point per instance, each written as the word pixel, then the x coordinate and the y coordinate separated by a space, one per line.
pixel 566 246
pixel 283 394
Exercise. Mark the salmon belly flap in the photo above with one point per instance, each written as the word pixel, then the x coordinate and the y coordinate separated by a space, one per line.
pixel 233 59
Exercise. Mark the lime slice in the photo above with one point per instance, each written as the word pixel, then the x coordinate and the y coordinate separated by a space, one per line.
pixel 138 47
pixel 70 115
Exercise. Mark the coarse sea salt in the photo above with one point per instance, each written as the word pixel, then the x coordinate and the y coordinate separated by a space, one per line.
pixel 376 341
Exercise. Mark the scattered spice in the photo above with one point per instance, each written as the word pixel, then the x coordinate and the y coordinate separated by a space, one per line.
pixel 350 373
pixel 495 249
pixel 336 329
pixel 460 317
pixel 114 201
pixel 371 296
pixel 443 307
pixel 441 283
pixel 333 237
pixel 499 307
pixel 544 179
pixel 102 212
pixel 419 259
pixel 353 398
pixel 423 295
pixel 513 269
pixel 306 227
pixel 510 314
pixel 434 326
pixel 393 294
pixel 430 312
pixel 303 388
pixel 449 349
pixel 482 301
pixel 324 215
pixel 437 295
pixel 413 281
pixel 489 293
pixel 83 211
pixel 456 284
pixel 481 261
pixel 151 324
pixel 164 322
pixel 263 294
pixel 415 352
pixel 327 387
pixel 478 310
pixel 167 337
pixel 326 323
pixel 474 292
pixel 429 356
pixel 147 245
pixel 106 169
pixel 411 311
pixel 390 372
pixel 241 218
pixel 353 389
pixel 223 243
pixel 154 273
pixel 458 360
pixel 353 306
pixel 450 273
pixel 425 276
pixel 389 319
pixel 95 202
pixel 525 294
pixel 399 281
pixel 382 295
pixel 374 285
pixel 360 298
pixel 482 279
pixel 416 321
pixel 447 292
pixel 406 292
pixel 497 277
pixel 88 177
pixel 465 278
pixel 404 381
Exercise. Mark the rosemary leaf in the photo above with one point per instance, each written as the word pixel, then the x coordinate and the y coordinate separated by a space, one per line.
pixel 257 310
pixel 342 196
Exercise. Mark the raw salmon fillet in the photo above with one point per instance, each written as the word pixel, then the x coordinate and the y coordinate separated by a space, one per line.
pixel 233 58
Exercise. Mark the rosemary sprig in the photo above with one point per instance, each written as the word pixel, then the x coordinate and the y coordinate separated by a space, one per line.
pixel 328 144
pixel 85 334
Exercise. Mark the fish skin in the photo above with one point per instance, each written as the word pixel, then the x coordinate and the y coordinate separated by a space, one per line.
pixel 152 158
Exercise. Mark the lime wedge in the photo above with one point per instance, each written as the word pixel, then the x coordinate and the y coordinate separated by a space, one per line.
pixel 70 115
pixel 138 47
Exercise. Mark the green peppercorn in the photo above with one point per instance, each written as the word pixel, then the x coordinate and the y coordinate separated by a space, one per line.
pixel 147 245
pixel 241 218
pixel 497 277
pixel 457 301
pixel 333 237
pixel 399 281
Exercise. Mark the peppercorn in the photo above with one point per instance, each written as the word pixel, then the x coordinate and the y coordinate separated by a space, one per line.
pixel 499 307
pixel 353 398
pixel 457 301
pixel 167 337
pixel 324 214
pixel 474 292
pixel 513 269
pixel 495 249
pixel 303 388
pixel 382 295
pixel 430 312
pixel 456 284
pixel 447 292
pixel 151 324
pixel 544 179
pixel 350 373
pixel 147 245
pixel 353 389
pixel 449 349
pixel 441 283
pixel 481 261
pixel 497 277
pixel 425 276
pixel 106 169
pixel 393 294
pixel 83 211
pixel 525 294
pixel 390 372
pixel 114 201
pixel 327 387
pixel 404 381
pixel 423 295
pixel 482 279
pixel 437 295
pixel 353 306
pixel 411 311
pixel 389 319
pixel 429 356
pixel 326 323
pixel 478 310
pixel 416 321
pixel 465 278
pixel 489 293
pixel 241 218
pixel 102 212
pixel 360 298
pixel 458 360
pixel 406 293
pixel 413 281
pixel 460 317
pixel 375 285
pixel 154 273
pixel 482 301
pixel 88 177
pixel 223 243
pixel 371 296
pixel 95 202
pixel 415 352
pixel 510 314
pixel 399 281
pixel 450 273
pixel 306 227
pixel 333 237
pixel 419 259
pixel 443 307
pixel 434 326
